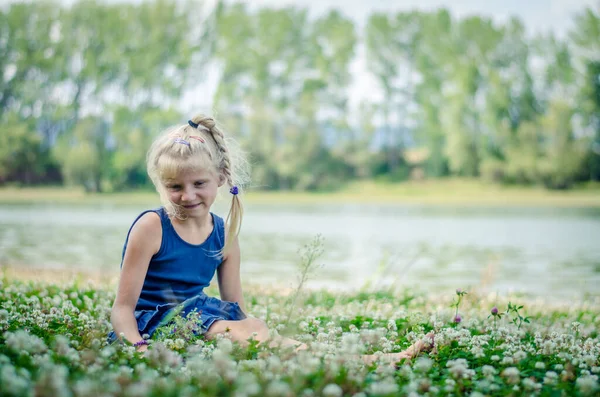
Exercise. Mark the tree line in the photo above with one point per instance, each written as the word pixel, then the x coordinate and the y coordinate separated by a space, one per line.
pixel 85 87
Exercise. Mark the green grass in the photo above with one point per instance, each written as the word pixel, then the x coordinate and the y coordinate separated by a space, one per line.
pixel 454 192
pixel 53 342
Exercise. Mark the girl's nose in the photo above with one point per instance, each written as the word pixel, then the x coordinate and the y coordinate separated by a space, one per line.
pixel 187 194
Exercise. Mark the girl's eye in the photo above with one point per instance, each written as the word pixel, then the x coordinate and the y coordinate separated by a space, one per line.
pixel 174 187
pixel 199 183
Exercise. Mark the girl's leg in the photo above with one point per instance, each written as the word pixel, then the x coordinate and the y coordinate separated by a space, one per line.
pixel 426 344
pixel 240 331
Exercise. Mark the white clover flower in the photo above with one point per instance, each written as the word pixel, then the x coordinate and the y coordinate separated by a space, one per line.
pixel 449 384
pixel 495 358
pixel 138 389
pixel 247 382
pixel 23 342
pixel 303 326
pixel 512 375
pixel 384 387
pixel 587 385
pixel 225 345
pixel 423 364
pixel 391 325
pixel 476 394
pixel 540 365
pixel 507 360
pixel 277 388
pixel 589 360
pixel 332 390
pixel 531 385
pixel 488 370
pixel 11 382
pixel 550 378
pixel 519 355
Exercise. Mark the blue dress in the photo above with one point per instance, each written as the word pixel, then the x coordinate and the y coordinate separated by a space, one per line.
pixel 176 277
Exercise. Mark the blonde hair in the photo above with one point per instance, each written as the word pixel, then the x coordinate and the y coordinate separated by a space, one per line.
pixel 205 147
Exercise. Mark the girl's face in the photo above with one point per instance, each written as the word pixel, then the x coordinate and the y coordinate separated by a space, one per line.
pixel 194 191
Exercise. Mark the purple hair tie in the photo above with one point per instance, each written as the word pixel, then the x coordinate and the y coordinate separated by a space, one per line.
pixel 182 141
pixel 234 190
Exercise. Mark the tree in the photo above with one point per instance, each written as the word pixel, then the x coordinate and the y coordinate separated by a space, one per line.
pixel 82 153
pixel 586 40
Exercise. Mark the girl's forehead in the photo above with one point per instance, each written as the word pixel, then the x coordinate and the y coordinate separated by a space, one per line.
pixel 192 174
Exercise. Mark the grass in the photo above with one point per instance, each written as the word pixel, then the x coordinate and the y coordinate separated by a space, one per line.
pixel 53 342
pixel 453 192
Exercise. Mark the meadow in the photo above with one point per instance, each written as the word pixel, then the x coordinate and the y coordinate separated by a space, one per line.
pixel 53 343
pixel 53 327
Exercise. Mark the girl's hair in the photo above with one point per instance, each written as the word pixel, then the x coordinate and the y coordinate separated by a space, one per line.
pixel 199 145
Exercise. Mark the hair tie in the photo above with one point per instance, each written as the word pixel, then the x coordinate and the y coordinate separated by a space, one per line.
pixel 191 123
pixel 182 141
pixel 197 138
pixel 234 190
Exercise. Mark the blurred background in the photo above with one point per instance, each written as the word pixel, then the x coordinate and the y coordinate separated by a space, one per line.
pixel 433 144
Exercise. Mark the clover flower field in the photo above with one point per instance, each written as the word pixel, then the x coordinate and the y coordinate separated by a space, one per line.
pixel 53 343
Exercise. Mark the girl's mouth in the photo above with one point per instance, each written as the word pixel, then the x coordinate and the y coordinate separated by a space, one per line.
pixel 190 206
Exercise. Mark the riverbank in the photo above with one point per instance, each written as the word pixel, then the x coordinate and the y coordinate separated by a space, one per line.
pixel 447 192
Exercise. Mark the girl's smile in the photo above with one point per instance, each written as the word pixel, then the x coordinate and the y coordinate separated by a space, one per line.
pixel 193 190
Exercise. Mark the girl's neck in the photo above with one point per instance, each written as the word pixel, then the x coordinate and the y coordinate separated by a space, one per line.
pixel 194 222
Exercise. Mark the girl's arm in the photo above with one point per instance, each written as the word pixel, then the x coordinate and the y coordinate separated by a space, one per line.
pixel 228 274
pixel 144 241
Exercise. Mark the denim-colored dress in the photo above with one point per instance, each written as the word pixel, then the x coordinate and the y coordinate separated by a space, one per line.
pixel 176 277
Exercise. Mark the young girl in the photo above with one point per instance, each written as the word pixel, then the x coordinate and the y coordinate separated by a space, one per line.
pixel 172 253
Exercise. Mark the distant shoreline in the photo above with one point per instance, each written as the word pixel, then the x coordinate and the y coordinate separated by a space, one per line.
pixel 447 192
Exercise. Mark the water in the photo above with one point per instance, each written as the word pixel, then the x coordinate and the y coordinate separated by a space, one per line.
pixel 550 252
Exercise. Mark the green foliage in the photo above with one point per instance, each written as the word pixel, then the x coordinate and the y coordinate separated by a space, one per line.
pixel 22 157
pixel 482 99
pixel 53 340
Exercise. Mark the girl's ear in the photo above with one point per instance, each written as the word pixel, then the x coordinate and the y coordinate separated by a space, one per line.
pixel 221 179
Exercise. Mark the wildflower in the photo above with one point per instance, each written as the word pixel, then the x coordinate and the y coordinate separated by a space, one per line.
pixel 540 365
pixel 550 378
pixel 457 319
pixel 488 370
pixel 332 390
pixel 512 375
pixel 423 364
pixel 277 388
pixel 383 387
pixel 587 385
pixel 494 311
pixel 529 384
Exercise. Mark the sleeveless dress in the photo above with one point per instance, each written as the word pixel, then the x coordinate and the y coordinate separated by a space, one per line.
pixel 176 277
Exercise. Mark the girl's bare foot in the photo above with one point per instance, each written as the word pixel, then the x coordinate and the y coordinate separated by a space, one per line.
pixel 426 344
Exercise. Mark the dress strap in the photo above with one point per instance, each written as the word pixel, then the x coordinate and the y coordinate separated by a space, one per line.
pixel 159 212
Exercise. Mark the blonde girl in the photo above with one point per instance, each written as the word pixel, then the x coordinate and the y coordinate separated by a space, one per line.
pixel 172 253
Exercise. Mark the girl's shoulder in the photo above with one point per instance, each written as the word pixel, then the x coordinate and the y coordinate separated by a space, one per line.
pixel 146 231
